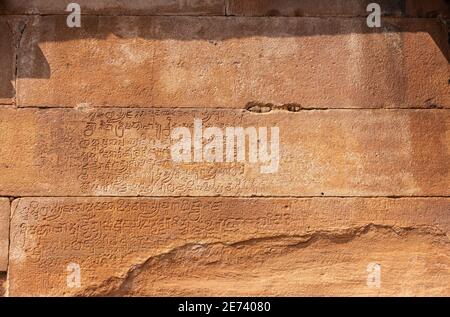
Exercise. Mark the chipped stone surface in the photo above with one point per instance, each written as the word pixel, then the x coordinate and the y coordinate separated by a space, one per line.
pixel 345 8
pixel 227 62
pixel 230 246
pixel 128 152
pixel 125 7
pixel 4 234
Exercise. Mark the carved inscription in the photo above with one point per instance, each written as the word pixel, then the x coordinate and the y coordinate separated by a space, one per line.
pixel 129 151
pixel 126 152
pixel 150 240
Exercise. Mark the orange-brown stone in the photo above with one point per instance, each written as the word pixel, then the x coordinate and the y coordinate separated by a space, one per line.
pixel 229 246
pixel 227 62
pixel 129 152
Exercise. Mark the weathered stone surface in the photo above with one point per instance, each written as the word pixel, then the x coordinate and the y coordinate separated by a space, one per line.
pixel 4 234
pixel 128 152
pixel 228 62
pixel 124 7
pixel 300 230
pixel 229 246
pixel 7 62
pixel 347 8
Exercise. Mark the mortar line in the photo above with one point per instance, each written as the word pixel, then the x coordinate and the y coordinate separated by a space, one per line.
pixel 227 15
pixel 233 197
pixel 224 108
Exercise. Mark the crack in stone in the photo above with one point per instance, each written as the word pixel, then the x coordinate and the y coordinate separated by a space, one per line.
pixel 117 285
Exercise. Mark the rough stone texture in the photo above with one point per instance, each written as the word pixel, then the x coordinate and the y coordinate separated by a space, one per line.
pixel 230 246
pixel 127 152
pixel 355 187
pixel 122 7
pixel 7 62
pixel 347 8
pixel 227 62
pixel 4 234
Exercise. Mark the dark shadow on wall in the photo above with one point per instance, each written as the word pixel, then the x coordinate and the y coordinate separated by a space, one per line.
pixel 7 60
pixel 29 32
pixel 298 8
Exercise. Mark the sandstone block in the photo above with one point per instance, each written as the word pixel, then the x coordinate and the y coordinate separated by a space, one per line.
pixel 228 62
pixel 229 246
pixel 127 152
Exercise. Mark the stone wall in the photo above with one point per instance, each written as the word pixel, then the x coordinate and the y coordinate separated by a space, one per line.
pixel 343 186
